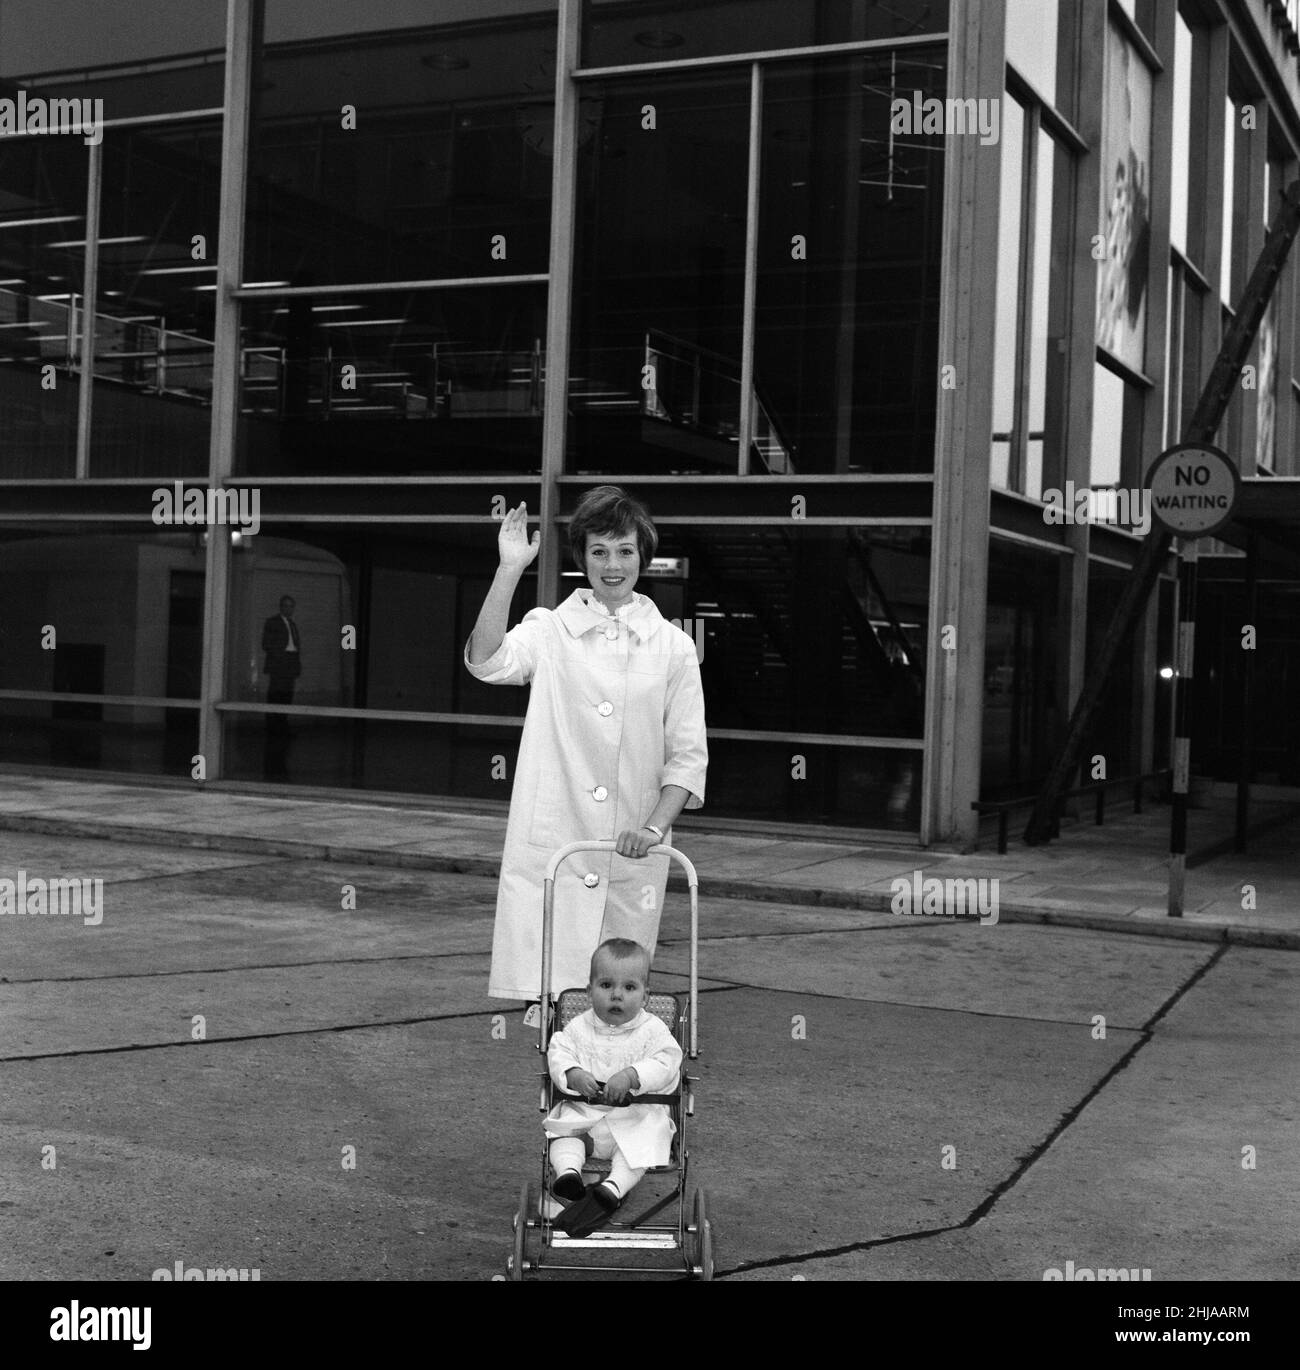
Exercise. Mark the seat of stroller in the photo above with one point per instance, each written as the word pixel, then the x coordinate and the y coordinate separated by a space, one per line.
pixel 668 1008
pixel 671 1010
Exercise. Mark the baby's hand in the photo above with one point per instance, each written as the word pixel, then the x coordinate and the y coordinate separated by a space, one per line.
pixel 582 1082
pixel 617 1087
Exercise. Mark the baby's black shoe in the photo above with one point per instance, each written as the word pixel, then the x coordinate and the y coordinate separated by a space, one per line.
pixel 592 1211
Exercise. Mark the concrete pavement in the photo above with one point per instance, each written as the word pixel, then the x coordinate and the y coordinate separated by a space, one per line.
pixel 881 1097
pixel 1111 877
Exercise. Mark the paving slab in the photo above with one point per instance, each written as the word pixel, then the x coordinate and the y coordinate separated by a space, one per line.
pixel 1151 1175
pixel 247 916
pixel 48 856
pixel 1023 970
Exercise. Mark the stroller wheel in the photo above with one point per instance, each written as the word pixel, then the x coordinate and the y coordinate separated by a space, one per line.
pixel 515 1267
pixel 703 1246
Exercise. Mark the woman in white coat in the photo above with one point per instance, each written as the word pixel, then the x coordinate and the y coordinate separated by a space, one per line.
pixel 613 745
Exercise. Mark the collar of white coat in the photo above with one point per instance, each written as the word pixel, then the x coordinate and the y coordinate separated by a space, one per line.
pixel 615 1029
pixel 580 615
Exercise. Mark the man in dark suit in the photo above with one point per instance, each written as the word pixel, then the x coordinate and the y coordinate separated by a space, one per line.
pixel 283 665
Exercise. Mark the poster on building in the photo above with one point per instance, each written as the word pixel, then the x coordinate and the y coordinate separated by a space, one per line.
pixel 1125 204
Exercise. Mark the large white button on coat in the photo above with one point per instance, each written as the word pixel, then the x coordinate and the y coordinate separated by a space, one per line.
pixel 591 880
pixel 600 793
pixel 604 708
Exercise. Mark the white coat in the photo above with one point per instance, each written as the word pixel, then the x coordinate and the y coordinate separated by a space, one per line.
pixel 642 1132
pixel 615 714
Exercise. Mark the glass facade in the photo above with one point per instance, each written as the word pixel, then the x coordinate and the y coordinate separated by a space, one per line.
pixel 624 32
pixel 772 266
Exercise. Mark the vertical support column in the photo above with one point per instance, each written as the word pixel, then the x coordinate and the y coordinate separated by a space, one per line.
pixel 846 341
pixel 954 701
pixel 751 268
pixel 1090 39
pixel 1249 224
pixel 1246 760
pixel 1163 317
pixel 86 361
pixel 559 297
pixel 225 366
pixel 1285 421
pixel 1205 197
pixel 1182 731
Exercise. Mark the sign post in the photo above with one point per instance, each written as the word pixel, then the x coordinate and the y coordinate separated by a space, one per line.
pixel 1193 490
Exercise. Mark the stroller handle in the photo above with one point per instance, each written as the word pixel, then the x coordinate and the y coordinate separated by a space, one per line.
pixel 605 844
pixel 548 923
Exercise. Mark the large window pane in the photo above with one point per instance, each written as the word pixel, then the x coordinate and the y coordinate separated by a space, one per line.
pixel 1049 318
pixel 400 152
pixel 861 787
pixel 616 33
pixel 393 384
pixel 126 608
pixel 137 57
pixel 42 255
pixel 658 276
pixel 411 594
pixel 1116 429
pixel 1031 42
pixel 1007 315
pixel 1022 661
pixel 154 317
pixel 1182 127
pixel 468 760
pixel 811 630
pixel 1115 732
pixel 850 222
pixel 1228 202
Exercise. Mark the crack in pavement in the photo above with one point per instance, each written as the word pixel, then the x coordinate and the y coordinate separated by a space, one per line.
pixel 982 1210
pixel 287 1032
pixel 231 970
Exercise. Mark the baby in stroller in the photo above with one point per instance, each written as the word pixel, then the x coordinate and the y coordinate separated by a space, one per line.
pixel 606 1057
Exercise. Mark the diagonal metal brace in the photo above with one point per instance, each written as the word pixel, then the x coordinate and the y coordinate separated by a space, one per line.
pixel 1201 427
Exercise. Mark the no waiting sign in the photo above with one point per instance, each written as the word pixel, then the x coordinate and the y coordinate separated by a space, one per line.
pixel 1193 489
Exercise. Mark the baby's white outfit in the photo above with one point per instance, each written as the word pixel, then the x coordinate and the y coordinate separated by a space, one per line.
pixel 631 1137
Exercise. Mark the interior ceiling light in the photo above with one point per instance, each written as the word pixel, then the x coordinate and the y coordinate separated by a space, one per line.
pixel 49 219
pixel 445 61
pixel 659 38
pixel 103 242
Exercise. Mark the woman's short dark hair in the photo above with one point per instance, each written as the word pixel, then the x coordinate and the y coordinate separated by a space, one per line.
pixel 610 511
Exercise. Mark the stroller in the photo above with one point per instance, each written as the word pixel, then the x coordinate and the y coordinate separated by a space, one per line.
pixel 535 1217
